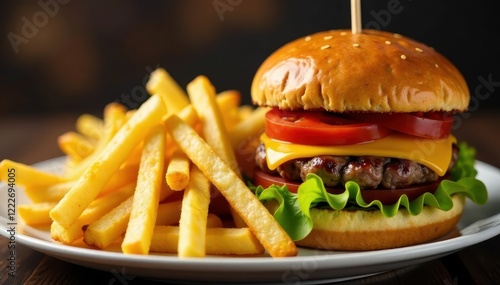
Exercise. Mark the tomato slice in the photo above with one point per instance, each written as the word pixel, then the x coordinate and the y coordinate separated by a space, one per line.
pixel 432 125
pixel 386 196
pixel 320 128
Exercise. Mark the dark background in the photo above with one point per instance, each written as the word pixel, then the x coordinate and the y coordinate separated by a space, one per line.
pixel 89 53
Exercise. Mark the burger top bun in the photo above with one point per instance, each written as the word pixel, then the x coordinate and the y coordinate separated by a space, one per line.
pixel 373 71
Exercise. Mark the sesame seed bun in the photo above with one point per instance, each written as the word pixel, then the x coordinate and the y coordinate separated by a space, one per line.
pixel 373 71
pixel 370 230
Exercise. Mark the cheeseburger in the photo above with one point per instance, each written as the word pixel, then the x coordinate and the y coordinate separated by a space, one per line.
pixel 357 152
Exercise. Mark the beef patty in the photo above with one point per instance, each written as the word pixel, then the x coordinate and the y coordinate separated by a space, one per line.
pixel 369 172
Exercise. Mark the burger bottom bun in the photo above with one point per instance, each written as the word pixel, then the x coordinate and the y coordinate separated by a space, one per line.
pixel 370 230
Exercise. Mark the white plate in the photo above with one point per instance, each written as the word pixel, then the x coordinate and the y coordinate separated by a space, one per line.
pixel 478 224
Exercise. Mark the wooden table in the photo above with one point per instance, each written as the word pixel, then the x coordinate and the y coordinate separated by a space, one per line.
pixel 31 139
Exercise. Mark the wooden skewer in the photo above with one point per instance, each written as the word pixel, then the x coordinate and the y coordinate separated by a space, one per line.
pixel 355 16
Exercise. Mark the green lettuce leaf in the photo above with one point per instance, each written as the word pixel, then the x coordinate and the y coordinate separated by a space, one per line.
pixel 465 162
pixel 293 209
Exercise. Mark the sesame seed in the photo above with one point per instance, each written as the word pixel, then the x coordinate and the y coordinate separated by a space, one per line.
pixel 355 45
pixel 397 36
pixel 403 56
pixel 419 49
pixel 327 37
pixel 325 47
pixel 308 38
pixel 388 42
pixel 436 65
pixel 343 33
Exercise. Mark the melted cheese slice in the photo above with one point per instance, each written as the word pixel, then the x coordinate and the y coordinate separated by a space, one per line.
pixel 435 154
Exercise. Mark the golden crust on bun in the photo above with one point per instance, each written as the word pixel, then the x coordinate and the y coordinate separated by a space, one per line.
pixel 374 71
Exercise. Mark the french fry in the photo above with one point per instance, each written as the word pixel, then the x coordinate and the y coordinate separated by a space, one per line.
pixel 245 111
pixel 245 138
pixel 113 155
pixel 92 213
pixel 202 95
pixel 122 170
pixel 123 176
pixel 188 114
pixel 220 241
pixel 90 126
pixel 75 169
pixel 232 241
pixel 251 127
pixel 193 220
pixel 94 133
pixel 115 115
pixel 161 83
pixel 27 175
pixel 147 194
pixel 129 114
pixel 51 193
pixel 169 213
pixel 75 146
pixel 203 98
pixel 114 118
pixel 109 227
pixel 228 102
pixel 229 99
pixel 134 157
pixel 263 225
pixel 36 214
pixel 177 175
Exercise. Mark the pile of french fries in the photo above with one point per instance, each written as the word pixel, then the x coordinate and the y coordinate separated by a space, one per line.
pixel 165 177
